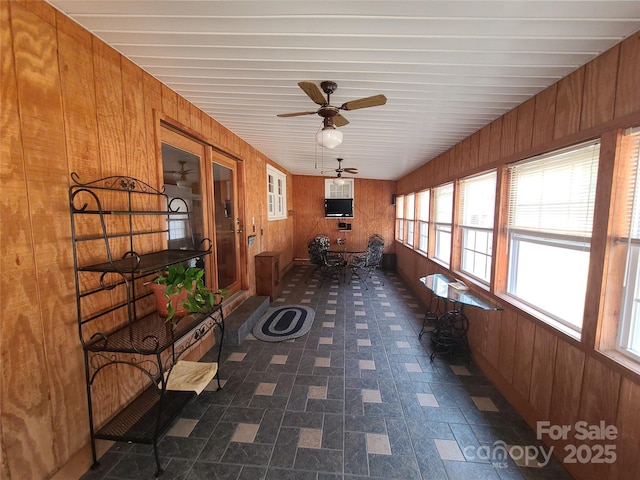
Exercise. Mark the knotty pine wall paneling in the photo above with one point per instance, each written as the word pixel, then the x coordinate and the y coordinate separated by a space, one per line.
pixel 71 103
pixel 598 101
pixel 627 464
pixel 544 116
pixel 524 125
pixel 508 140
pixel 627 98
pixel 373 213
pixel 569 104
pixel 546 374
pixel 25 390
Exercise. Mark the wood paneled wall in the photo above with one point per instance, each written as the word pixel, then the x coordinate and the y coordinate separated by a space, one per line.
pixel 545 374
pixel 373 213
pixel 72 103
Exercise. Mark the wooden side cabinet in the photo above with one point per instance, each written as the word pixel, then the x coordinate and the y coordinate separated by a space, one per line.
pixel 268 274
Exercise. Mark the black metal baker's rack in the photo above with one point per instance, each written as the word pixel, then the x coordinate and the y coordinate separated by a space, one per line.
pixel 120 234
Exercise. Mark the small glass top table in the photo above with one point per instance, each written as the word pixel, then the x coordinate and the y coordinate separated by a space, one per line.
pixel 449 335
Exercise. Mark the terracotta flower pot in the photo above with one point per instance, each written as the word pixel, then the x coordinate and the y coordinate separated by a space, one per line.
pixel 161 301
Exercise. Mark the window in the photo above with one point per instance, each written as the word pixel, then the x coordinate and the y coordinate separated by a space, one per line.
pixel 424 197
pixel 551 199
pixel 332 190
pixel 276 194
pixel 409 215
pixel 477 205
pixel 400 218
pixel 443 218
pixel 629 326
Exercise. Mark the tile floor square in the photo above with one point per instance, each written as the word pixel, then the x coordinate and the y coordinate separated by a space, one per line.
pixel 360 313
pixel 325 341
pixel 245 433
pixel 371 396
pixel 310 438
pixel 279 359
pixel 460 370
pixel 389 314
pixel 361 326
pixel 266 389
pixel 317 392
pixel 236 357
pixel 328 324
pixel 378 444
pixel 330 312
pixel 449 450
pixel 413 367
pixel 427 400
pixel 395 328
pixel 323 362
pixel 367 365
pixel 485 404
pixel 182 427
pixel 364 342
pixel 402 344
pixel 213 385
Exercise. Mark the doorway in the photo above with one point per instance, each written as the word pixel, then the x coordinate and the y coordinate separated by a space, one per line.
pixel 207 182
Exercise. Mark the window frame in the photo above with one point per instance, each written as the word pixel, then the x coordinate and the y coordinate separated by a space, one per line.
pixel 580 239
pixel 465 228
pixel 276 196
pixel 441 228
pixel 409 219
pixel 400 218
pixel 628 324
pixel 423 220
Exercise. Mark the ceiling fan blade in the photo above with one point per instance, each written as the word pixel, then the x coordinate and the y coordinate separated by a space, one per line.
pixel 313 91
pixel 295 114
pixel 353 171
pixel 340 121
pixel 373 101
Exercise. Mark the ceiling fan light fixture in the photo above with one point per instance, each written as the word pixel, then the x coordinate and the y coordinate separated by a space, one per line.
pixel 329 137
pixel 338 182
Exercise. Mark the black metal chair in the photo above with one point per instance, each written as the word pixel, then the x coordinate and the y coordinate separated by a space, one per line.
pixel 369 260
pixel 326 264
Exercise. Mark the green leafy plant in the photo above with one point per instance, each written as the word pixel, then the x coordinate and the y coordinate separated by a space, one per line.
pixel 199 299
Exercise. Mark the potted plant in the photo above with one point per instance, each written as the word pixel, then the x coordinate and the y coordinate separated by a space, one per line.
pixel 181 290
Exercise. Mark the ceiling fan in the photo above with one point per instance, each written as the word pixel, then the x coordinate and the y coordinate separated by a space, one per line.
pixel 182 173
pixel 339 170
pixel 330 113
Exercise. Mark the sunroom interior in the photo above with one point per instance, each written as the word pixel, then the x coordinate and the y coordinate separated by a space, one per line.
pixel 536 211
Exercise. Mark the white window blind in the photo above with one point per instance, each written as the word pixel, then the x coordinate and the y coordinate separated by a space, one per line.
pixel 443 199
pixel 477 206
pixel 443 218
pixel 400 206
pixel 555 193
pixel 423 205
pixel 424 198
pixel 477 200
pixel 410 210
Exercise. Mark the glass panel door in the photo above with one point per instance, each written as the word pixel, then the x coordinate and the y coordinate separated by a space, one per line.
pixel 227 223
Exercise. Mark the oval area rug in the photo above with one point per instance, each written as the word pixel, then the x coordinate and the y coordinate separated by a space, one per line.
pixel 284 323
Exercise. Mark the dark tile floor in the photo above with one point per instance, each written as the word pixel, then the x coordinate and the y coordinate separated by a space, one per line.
pixel 355 398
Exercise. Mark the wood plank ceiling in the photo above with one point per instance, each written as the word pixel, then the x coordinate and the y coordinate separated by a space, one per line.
pixel 447 67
